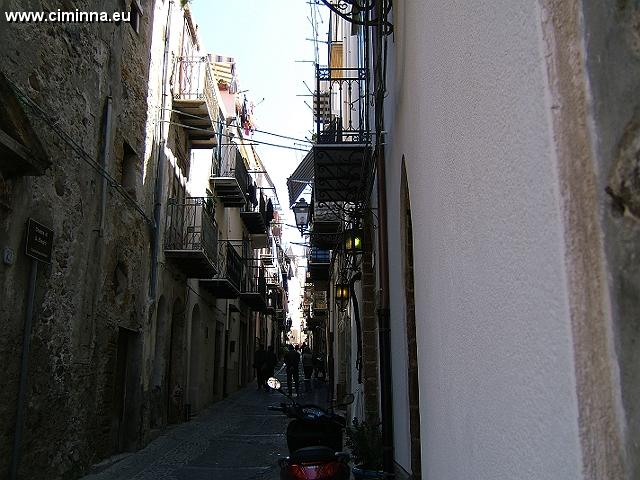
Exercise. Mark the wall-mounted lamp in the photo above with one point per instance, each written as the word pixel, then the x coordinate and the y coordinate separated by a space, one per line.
pixel 353 241
pixel 342 296
pixel 301 213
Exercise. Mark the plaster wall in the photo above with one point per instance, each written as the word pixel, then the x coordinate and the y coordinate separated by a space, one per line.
pixel 468 108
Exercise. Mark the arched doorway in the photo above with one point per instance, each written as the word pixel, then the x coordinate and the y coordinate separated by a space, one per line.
pixel 410 312
pixel 195 359
pixel 175 369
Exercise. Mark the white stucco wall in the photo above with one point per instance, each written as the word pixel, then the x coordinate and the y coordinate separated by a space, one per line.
pixel 470 113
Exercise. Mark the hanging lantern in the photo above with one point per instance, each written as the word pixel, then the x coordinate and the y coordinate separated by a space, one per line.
pixel 342 296
pixel 353 241
pixel 301 214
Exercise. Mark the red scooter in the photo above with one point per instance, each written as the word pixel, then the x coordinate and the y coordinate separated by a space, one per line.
pixel 314 440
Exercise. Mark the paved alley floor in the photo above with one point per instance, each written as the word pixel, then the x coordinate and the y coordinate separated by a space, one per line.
pixel 234 439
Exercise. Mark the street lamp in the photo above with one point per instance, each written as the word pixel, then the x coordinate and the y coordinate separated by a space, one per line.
pixel 353 241
pixel 301 213
pixel 342 296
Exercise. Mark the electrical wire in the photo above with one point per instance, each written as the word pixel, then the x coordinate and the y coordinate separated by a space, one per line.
pixel 84 156
pixel 219 122
pixel 252 142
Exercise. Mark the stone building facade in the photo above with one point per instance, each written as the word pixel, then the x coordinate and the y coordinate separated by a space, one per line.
pixel 106 138
pixel 82 89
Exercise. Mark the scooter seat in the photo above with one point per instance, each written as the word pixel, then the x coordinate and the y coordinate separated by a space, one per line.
pixel 312 454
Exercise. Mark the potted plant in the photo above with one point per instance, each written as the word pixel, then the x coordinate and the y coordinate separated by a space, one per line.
pixel 364 440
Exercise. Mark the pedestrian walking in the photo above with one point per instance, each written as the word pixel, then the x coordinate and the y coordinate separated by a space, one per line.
pixel 260 365
pixel 307 367
pixel 292 360
pixel 319 368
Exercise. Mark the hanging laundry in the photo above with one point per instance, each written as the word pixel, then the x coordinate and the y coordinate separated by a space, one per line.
pixel 290 274
pixel 253 195
pixel 244 115
pixel 269 212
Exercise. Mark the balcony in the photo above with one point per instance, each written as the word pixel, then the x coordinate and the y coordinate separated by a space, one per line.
pixel 272 279
pixel 255 213
pixel 318 264
pixel 255 221
pixel 274 298
pixel 254 287
pixel 342 154
pixel 229 179
pixel 195 102
pixel 190 237
pixel 326 225
pixel 227 283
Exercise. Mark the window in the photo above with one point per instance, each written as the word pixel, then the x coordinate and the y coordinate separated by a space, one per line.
pixel 131 171
pixel 136 15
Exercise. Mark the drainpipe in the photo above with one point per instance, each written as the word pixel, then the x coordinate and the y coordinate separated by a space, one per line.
pixel 160 162
pixel 106 152
pixel 384 325
pixel 384 328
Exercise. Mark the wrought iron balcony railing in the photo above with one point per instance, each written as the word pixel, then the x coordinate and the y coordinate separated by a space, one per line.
pixel 227 283
pixel 230 179
pixel 230 264
pixel 319 256
pixel 326 224
pixel 318 264
pixel 342 153
pixel 195 101
pixel 341 107
pixel 254 286
pixel 191 236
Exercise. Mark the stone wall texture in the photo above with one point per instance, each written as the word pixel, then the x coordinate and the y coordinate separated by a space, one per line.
pixel 94 291
pixel 612 57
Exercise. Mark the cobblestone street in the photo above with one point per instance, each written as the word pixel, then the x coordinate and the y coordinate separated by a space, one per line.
pixel 237 438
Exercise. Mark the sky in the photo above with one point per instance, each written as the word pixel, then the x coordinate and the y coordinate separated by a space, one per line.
pixel 274 60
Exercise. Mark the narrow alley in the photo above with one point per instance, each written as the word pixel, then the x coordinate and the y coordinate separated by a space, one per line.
pixel 432 206
pixel 237 438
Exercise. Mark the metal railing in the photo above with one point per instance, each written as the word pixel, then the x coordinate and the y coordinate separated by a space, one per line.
pixel 195 81
pixel 319 255
pixel 273 279
pixel 255 281
pixel 230 264
pixel 190 225
pixel 342 111
pixel 232 166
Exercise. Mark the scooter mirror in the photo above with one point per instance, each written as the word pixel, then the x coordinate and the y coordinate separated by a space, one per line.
pixel 274 383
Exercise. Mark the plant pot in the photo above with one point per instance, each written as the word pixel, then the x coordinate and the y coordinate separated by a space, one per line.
pixel 362 473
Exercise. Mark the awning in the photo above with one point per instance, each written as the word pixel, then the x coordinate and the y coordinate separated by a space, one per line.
pixel 300 178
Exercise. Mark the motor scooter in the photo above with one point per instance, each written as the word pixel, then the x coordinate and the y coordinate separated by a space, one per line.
pixel 314 440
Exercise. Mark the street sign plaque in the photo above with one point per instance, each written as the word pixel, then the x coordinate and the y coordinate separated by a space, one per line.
pixel 39 241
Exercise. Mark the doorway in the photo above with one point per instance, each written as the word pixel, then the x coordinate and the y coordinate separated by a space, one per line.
pixel 125 396
pixel 195 361
pixel 175 368
pixel 217 349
